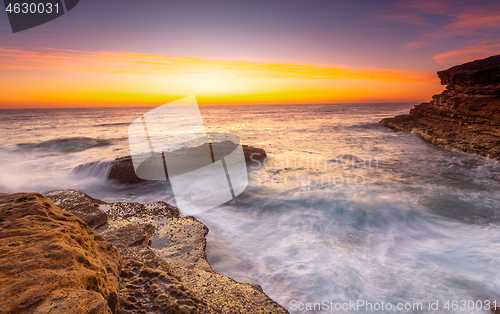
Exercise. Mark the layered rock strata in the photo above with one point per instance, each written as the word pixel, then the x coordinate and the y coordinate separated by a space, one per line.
pixel 465 116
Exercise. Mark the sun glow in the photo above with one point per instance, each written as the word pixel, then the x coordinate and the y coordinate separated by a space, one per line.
pixel 51 77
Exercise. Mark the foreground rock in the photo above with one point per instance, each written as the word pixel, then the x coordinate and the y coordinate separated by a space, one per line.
pixel 51 261
pixel 122 170
pixel 164 262
pixel 466 116
pixel 81 205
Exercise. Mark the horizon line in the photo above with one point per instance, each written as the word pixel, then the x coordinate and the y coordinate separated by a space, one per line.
pixel 216 105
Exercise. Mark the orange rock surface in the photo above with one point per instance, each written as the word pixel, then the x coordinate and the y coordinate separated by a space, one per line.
pixel 51 261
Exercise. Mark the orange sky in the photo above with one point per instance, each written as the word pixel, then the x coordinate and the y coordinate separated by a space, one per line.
pixel 45 77
pixel 243 52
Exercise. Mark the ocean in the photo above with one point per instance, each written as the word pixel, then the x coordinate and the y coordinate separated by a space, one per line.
pixel 343 211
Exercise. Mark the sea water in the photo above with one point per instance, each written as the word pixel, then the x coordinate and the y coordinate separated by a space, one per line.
pixel 343 210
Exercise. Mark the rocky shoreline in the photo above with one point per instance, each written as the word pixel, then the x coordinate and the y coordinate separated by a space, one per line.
pixel 65 252
pixel 465 116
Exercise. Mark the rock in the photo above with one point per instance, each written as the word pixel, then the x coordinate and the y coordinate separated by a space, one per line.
pixel 253 153
pixel 181 240
pixel 51 261
pixel 133 212
pixel 495 309
pixel 127 235
pixel 479 72
pixel 123 171
pixel 148 288
pixel 466 116
pixel 219 293
pixel 81 205
pixel 173 275
pixel 178 248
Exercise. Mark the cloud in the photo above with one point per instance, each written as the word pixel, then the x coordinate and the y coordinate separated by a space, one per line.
pixel 469 53
pixel 139 63
pixel 406 17
pixel 418 12
pixel 458 17
pixel 417 44
pixel 469 22
pixel 473 24
pixel 442 7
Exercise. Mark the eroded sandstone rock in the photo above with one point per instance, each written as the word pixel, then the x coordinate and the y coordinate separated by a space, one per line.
pixel 165 269
pixel 51 261
pixel 148 288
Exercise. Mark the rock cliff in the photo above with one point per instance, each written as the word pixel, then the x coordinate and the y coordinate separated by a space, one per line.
pixel 466 115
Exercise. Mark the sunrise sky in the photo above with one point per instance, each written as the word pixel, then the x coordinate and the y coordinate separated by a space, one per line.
pixel 129 53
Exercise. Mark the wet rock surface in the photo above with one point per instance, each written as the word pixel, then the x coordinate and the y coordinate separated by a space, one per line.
pixel 146 289
pixel 466 116
pixel 253 153
pixel 51 261
pixel 164 266
pixel 81 205
pixel 123 171
pixel 127 235
pixel 219 293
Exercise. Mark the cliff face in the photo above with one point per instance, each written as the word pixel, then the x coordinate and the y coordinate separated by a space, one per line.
pixel 466 116
pixel 479 72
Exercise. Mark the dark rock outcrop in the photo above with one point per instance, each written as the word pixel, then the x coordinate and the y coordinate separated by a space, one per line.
pixel 253 153
pixel 466 116
pixel 123 171
pixel 479 72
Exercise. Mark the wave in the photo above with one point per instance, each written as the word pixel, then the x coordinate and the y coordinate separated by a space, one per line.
pixel 98 169
pixel 66 145
pixel 295 245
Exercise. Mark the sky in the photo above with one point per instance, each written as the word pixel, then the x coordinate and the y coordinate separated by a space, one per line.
pixel 150 52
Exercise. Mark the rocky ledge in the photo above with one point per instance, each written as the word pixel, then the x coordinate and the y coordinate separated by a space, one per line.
pixel 139 258
pixel 466 116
